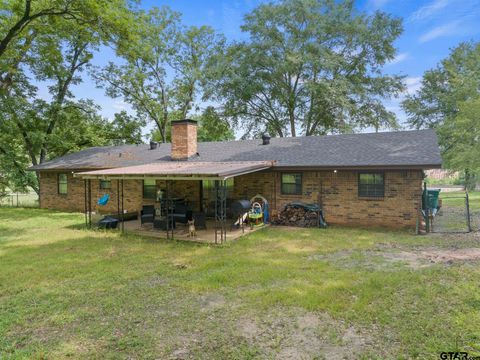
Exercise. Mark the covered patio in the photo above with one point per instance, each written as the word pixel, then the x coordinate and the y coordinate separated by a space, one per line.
pixel 206 235
pixel 162 215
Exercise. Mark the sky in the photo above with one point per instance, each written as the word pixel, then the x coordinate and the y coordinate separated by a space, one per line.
pixel 431 29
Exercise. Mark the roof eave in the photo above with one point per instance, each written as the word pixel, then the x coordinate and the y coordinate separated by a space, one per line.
pixel 359 167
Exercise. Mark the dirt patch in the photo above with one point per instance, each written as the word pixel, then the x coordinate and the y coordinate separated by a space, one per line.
pixel 415 259
pixel 211 302
pixel 423 258
pixel 448 256
pixel 411 259
pixel 306 335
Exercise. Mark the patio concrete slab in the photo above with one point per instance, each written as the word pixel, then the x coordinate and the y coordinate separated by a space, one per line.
pixel 181 232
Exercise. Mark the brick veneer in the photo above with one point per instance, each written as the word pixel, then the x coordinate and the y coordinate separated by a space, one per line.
pixel 337 192
pixel 184 139
pixel 338 195
pixel 74 200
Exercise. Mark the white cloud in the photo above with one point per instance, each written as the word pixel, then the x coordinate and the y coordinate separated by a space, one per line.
pixel 399 58
pixel 442 30
pixel 413 84
pixel 427 11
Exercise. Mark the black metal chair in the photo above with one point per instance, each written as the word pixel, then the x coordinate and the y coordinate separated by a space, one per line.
pixel 147 215
pixel 181 213
pixel 200 220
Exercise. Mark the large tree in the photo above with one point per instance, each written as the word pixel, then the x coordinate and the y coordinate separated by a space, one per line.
pixel 310 67
pixel 164 70
pixel 212 127
pixel 25 22
pixel 449 101
pixel 50 41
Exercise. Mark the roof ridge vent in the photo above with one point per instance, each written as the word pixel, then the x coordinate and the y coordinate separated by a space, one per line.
pixel 266 139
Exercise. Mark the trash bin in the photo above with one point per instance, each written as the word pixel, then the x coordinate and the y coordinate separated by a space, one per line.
pixel 431 199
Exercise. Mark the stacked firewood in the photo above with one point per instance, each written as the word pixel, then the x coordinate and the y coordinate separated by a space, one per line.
pixel 296 216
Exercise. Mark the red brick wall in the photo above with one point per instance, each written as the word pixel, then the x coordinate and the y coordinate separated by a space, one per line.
pixel 74 200
pixel 339 196
pixel 133 200
pixel 184 139
pixel 337 192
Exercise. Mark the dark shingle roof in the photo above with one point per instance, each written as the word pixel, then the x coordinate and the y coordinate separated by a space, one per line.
pixel 417 148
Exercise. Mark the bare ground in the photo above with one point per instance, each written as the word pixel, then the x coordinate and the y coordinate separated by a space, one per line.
pixel 438 249
pixel 284 335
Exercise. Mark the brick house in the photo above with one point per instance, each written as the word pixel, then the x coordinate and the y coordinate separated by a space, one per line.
pixel 358 179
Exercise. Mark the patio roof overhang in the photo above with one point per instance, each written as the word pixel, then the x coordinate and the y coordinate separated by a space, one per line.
pixel 179 170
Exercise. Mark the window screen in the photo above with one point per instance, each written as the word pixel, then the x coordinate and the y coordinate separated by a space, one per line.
pixel 292 184
pixel 149 189
pixel 62 184
pixel 105 184
pixel 371 185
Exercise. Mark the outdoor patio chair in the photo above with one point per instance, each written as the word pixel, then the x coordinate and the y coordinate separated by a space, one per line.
pixel 200 220
pixel 181 213
pixel 147 215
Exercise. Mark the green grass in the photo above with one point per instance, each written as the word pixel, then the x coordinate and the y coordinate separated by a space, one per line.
pixel 458 199
pixel 70 292
pixel 22 200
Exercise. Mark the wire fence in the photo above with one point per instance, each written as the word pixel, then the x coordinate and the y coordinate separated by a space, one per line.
pixel 459 212
pixel 453 216
pixel 19 200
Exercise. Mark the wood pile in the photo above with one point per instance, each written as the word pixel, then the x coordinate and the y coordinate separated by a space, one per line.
pixel 296 216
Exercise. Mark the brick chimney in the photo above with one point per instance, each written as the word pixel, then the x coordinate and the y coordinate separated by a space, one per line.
pixel 184 139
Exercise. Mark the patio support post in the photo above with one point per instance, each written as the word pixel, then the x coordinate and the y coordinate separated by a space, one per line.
pixel 118 199
pixel 216 210
pixel 224 211
pixel 89 203
pixel 85 202
pixel 168 208
pixel 123 211
pixel 167 194
pixel 320 202
pixel 220 210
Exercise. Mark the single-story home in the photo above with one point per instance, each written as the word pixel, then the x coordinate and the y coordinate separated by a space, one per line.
pixel 372 179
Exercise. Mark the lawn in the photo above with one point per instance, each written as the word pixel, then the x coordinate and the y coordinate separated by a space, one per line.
pixel 458 199
pixel 277 293
pixel 453 215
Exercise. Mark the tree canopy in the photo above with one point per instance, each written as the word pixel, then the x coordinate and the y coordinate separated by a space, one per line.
pixel 449 101
pixel 305 67
pixel 51 42
pixel 164 69
pixel 310 67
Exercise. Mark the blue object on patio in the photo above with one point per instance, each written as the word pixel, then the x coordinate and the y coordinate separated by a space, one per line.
pixel 103 200
pixel 266 213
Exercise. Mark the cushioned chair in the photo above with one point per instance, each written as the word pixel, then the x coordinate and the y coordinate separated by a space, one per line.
pixel 200 220
pixel 181 213
pixel 147 215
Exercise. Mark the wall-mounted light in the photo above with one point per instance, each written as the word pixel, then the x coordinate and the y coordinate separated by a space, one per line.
pixel 334 171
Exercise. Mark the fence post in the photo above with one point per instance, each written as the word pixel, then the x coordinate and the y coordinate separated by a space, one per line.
pixel 427 209
pixel 17 199
pixel 467 204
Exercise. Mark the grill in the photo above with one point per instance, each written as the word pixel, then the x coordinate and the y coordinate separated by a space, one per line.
pixel 240 207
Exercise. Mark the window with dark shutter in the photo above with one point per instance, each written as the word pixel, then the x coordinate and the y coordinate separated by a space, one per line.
pixel 371 185
pixel 291 184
